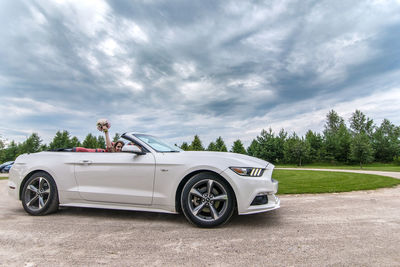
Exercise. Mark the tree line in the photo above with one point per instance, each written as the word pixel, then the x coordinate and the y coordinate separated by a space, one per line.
pixel 361 142
pixel 62 139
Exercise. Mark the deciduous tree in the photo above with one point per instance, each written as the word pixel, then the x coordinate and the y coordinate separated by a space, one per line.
pixel 296 150
pixel 361 149
pixel 386 141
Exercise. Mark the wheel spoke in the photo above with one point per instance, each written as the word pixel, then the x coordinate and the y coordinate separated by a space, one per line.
pixel 220 197
pixel 41 203
pixel 196 192
pixel 41 181
pixel 47 191
pixel 199 208
pixel 32 200
pixel 32 188
pixel 210 184
pixel 214 212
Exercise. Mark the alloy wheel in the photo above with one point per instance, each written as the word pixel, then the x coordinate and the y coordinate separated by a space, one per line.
pixel 208 200
pixel 37 193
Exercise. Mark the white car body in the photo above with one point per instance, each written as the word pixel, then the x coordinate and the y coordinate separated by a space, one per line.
pixel 148 182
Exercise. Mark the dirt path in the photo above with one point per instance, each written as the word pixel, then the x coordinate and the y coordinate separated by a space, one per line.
pixel 357 228
pixel 389 174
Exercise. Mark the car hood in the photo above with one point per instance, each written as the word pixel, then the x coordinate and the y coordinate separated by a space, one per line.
pixel 226 158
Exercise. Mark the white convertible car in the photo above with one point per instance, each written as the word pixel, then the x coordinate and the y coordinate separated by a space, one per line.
pixel 208 187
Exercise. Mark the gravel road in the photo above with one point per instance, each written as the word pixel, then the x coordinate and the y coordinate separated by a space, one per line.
pixel 356 228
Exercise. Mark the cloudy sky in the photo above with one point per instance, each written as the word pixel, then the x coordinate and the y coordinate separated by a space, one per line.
pixel 180 68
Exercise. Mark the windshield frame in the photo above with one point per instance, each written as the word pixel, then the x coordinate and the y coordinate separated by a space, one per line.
pixel 173 148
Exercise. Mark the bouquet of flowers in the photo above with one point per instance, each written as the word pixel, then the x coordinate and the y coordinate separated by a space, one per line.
pixel 103 125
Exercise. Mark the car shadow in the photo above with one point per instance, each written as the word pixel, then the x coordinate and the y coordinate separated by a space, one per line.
pixel 259 220
pixel 118 214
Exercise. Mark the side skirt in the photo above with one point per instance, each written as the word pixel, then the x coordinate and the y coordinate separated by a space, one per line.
pixel 165 209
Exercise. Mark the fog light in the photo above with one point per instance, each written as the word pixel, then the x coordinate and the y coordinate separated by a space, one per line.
pixel 260 200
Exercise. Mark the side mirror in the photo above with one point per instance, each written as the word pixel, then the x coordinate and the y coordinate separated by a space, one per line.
pixel 132 149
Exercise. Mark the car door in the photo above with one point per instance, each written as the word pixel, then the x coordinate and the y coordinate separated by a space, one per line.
pixel 122 177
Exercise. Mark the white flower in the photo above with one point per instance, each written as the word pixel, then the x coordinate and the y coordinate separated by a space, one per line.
pixel 101 123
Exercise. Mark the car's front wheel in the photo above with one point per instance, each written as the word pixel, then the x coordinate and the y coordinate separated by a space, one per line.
pixel 207 200
pixel 39 194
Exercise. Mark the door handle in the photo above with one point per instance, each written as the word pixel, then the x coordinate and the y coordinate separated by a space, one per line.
pixel 85 162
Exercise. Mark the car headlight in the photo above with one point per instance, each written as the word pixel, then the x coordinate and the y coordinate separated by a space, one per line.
pixel 253 172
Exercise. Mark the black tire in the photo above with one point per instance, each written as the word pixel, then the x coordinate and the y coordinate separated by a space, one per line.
pixel 207 200
pixel 40 194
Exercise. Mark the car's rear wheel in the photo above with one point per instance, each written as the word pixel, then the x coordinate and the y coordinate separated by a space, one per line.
pixel 207 200
pixel 39 195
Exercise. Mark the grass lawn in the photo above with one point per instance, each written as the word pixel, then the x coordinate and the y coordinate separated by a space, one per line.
pixel 3 178
pixel 300 182
pixel 389 167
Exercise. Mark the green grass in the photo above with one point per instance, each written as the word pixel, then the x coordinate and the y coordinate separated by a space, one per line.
pixel 3 178
pixel 301 182
pixel 390 167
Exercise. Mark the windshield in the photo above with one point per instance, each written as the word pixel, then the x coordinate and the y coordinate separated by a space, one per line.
pixel 156 144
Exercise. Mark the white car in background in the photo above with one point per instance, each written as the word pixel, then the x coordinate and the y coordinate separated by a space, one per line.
pixel 208 187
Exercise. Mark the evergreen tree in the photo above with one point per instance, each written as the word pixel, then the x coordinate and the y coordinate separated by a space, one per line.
pixel 61 140
pixel 44 147
pixel 11 152
pixel 279 144
pixel 90 141
pixel 32 144
pixel 267 146
pixel 253 149
pixel 116 137
pixel 212 147
pixel 337 138
pixel 75 142
pixel 220 145
pixel 101 142
pixel 315 142
pixel 196 144
pixel 2 142
pixel 185 146
pixel 238 147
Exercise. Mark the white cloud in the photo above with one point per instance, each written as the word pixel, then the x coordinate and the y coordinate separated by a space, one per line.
pixel 185 69
pixel 20 107
pixel 129 30
pixel 89 15
pixel 252 58
pixel 110 47
pixel 311 113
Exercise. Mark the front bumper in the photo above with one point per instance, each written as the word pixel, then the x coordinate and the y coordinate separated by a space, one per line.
pixel 248 188
pixel 273 203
